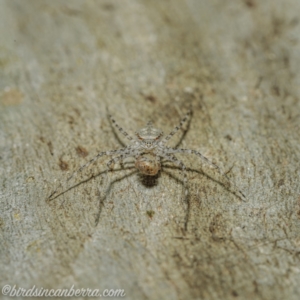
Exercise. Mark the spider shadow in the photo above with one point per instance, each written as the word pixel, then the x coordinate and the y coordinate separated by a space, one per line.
pixel 187 197
pixel 109 186
pixel 149 181
pixel 237 193
pixel 106 191
pixel 53 196
pixel 145 180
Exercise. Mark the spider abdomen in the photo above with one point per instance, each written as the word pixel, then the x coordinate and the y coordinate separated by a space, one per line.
pixel 147 166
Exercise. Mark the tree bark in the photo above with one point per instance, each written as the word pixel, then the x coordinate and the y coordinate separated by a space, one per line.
pixel 65 63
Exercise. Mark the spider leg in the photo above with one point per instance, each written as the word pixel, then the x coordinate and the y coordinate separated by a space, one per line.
pixel 180 164
pixel 176 128
pixel 111 162
pixel 107 183
pixel 188 151
pixel 104 153
pixel 114 122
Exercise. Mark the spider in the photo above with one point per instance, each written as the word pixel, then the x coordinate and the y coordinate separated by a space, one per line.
pixel 148 148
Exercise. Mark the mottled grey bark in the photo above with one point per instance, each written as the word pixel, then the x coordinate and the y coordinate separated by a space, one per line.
pixel 237 63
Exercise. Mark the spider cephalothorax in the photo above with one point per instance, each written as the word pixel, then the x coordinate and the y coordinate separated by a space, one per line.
pixel 148 149
pixel 147 162
pixel 148 137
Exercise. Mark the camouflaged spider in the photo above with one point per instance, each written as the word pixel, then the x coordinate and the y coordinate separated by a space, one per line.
pixel 148 148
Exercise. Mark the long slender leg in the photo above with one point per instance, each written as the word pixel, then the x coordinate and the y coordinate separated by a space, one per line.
pixel 176 128
pixel 180 164
pixel 114 122
pixel 109 167
pixel 188 151
pixel 104 153
pixel 120 158
pixel 107 182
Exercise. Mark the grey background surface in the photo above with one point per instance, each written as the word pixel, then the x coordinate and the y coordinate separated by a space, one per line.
pixel 237 62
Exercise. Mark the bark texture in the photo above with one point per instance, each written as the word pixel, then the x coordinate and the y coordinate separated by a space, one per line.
pixel 62 63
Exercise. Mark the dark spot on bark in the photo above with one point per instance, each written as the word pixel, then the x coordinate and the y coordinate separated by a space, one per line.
pixel 228 137
pixel 42 139
pixel 71 120
pixel 63 165
pixel 150 213
pixel 150 98
pixel 250 3
pixel 275 90
pixel 50 146
pixel 280 183
pixel 108 6
pixel 81 151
